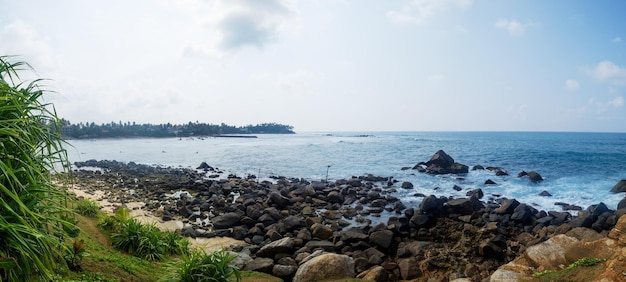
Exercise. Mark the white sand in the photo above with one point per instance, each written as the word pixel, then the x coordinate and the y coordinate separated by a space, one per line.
pixel 143 216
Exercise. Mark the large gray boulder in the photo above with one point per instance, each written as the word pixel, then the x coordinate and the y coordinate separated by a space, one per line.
pixel 325 266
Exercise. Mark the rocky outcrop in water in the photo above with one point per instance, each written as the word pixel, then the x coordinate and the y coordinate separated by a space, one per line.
pixel 441 163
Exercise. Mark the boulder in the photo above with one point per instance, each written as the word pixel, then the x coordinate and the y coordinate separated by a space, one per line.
pixel 409 268
pixel 442 163
pixel 321 231
pixel 325 266
pixel 490 182
pixel 260 264
pixel 431 205
pixel 381 238
pixel 284 271
pixel 534 177
pixel 226 220
pixel 407 185
pixel 376 273
pixel 440 159
pixel 204 166
pixel 460 206
pixel 619 187
pixel 280 201
pixel 508 206
pixel 284 245
pixel 551 253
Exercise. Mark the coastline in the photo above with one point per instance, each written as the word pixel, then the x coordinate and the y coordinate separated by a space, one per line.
pixel 297 218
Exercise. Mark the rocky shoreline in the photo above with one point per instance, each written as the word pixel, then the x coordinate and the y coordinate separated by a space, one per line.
pixel 293 228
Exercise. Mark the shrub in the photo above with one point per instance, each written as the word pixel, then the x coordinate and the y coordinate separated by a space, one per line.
pixel 88 208
pixel 200 266
pixel 32 209
pixel 143 240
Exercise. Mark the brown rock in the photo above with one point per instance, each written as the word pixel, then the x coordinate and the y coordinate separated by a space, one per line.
pixel 326 266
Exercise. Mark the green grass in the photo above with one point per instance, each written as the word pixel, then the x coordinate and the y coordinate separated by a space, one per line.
pixel 87 207
pixel 573 272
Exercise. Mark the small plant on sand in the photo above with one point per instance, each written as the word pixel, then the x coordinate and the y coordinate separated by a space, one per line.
pixel 542 273
pixel 175 244
pixel 88 208
pixel 586 262
pixel 200 266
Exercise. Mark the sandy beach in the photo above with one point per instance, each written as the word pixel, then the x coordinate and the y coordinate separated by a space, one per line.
pixel 144 216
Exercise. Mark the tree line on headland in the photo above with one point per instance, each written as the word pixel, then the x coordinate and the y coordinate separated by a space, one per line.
pixel 131 129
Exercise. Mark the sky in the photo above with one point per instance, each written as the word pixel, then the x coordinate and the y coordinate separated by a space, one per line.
pixel 328 65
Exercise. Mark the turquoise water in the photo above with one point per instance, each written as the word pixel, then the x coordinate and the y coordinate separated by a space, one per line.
pixel 578 168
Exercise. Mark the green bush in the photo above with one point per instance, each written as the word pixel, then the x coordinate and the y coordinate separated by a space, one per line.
pixel 200 266
pixel 88 208
pixel 33 211
pixel 143 240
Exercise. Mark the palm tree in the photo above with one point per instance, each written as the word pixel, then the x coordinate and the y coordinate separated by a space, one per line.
pixel 32 209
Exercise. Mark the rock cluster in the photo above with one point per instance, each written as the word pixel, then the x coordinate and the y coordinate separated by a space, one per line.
pixel 294 227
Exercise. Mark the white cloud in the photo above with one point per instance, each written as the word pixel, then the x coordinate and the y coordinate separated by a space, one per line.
pixel 228 26
pixel 608 71
pixel 296 83
pixel 514 27
pixel 23 40
pixel 618 102
pixel 420 11
pixel 572 85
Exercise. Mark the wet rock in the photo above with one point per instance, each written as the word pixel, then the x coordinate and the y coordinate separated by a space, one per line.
pixel 407 185
pixel 545 193
pixel 204 166
pixel 619 187
pixel 478 192
pixel 478 167
pixel 325 266
pixel 490 182
pixel 442 163
pixel 534 177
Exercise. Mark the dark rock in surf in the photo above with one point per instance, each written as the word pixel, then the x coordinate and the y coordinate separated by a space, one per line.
pixel 490 182
pixel 407 185
pixel 478 167
pixel 534 177
pixel 545 193
pixel 442 163
pixel 204 166
pixel 619 187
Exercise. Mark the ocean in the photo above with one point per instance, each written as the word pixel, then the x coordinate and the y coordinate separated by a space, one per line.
pixel 578 168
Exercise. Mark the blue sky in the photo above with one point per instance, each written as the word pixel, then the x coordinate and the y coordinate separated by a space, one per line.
pixel 341 65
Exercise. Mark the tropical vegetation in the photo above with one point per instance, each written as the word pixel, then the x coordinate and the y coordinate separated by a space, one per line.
pixel 127 129
pixel 34 220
